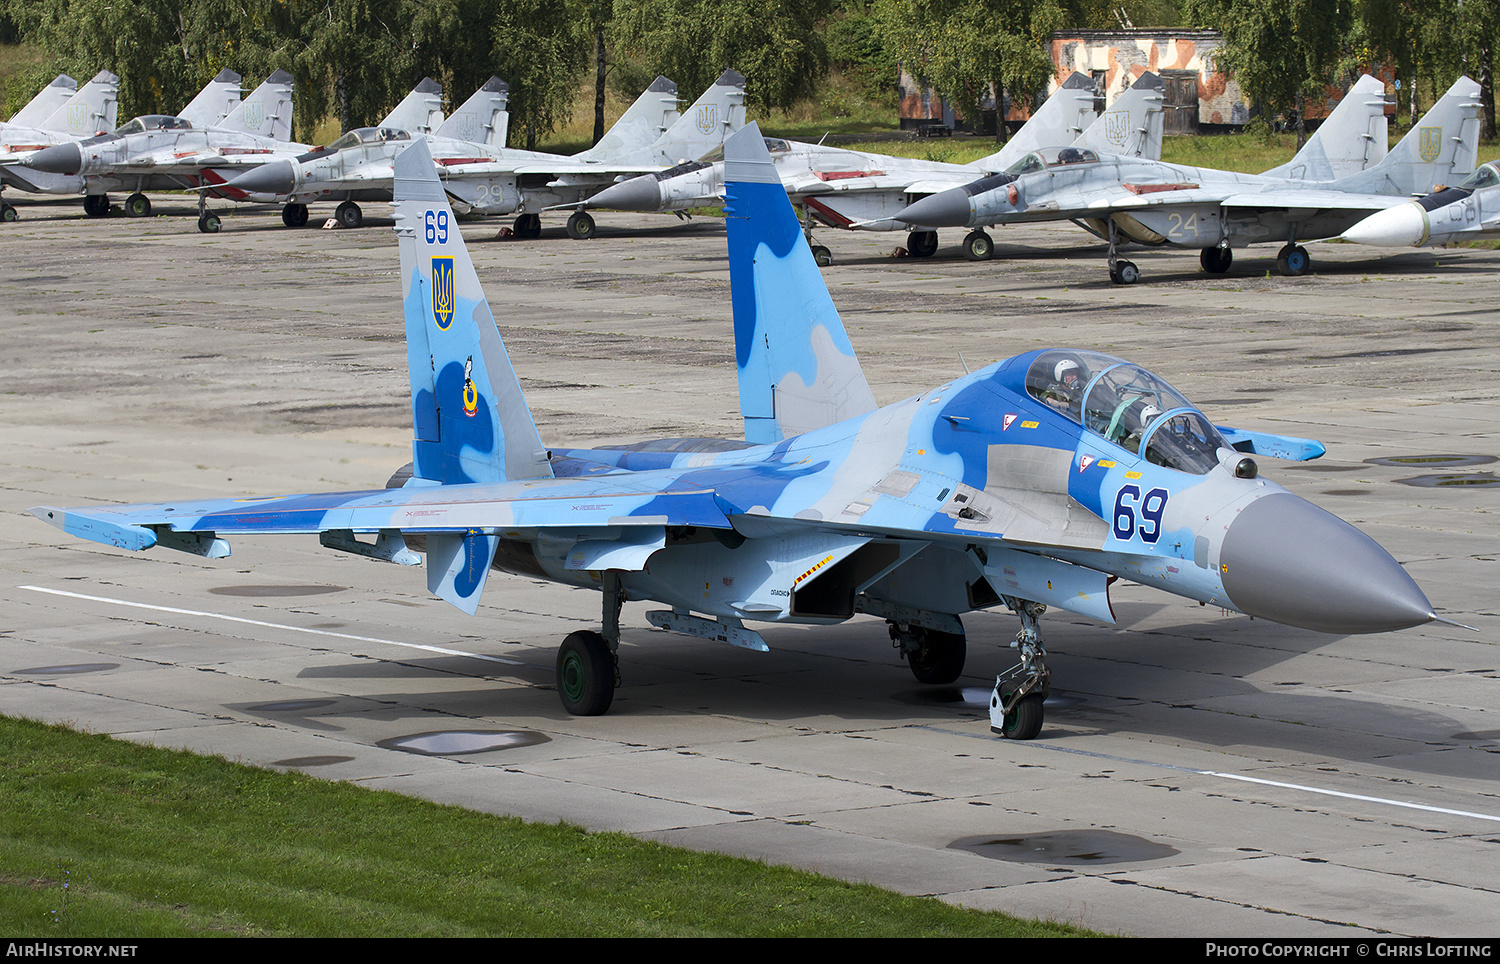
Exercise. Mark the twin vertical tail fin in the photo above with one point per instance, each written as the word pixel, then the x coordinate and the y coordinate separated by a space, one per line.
pixel 1133 124
pixel 483 118
pixel 797 369
pixel 45 103
pixel 92 109
pixel 703 126
pixel 1064 116
pixel 1354 138
pixel 267 112
pixel 1442 149
pixel 646 120
pixel 218 98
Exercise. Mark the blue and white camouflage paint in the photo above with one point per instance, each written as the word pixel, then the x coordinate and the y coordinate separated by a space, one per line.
pixel 1036 481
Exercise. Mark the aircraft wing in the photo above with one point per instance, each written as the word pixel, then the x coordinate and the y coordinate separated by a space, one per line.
pixel 632 499
pixel 191 162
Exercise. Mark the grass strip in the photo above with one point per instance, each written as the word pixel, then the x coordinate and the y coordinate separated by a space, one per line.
pixel 104 838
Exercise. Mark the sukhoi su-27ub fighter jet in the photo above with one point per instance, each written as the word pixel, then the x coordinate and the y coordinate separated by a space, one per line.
pixel 1036 481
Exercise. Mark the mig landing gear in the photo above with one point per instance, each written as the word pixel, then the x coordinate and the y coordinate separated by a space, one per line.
pixel 978 246
pixel 1216 260
pixel 922 244
pixel 1293 261
pixel 1121 272
pixel 294 215
pixel 587 669
pixel 8 212
pixel 1016 705
pixel 349 215
pixel 96 205
pixel 208 222
pixel 580 226
pixel 528 227
pixel 137 206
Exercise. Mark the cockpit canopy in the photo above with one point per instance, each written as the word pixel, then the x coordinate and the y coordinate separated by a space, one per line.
pixel 1127 405
pixel 774 145
pixel 368 135
pixel 1051 157
pixel 142 124
pixel 1488 175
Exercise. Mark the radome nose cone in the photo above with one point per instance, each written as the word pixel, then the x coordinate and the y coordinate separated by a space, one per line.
pixel 1287 560
pixel 637 194
pixel 59 159
pixel 946 209
pixel 1404 225
pixel 276 177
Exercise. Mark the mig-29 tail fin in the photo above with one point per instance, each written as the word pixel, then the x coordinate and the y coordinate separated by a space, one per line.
pixel 91 110
pixel 1133 124
pixel 471 423
pixel 483 118
pixel 646 120
pixel 45 103
pixel 797 369
pixel 1354 138
pixel 420 112
pixel 703 126
pixel 267 111
pixel 215 101
pixel 1442 149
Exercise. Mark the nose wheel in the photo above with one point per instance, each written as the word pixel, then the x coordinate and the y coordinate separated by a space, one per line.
pixel 1121 272
pixel 1016 704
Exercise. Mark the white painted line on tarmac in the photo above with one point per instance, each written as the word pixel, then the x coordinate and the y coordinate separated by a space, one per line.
pixel 256 622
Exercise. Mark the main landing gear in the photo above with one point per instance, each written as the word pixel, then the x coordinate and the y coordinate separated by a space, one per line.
pixel 137 206
pixel 208 222
pixel 934 657
pixel 922 244
pixel 587 669
pixel 1016 710
pixel 294 215
pixel 1293 261
pixel 1216 260
pixel 528 226
pixel 348 215
pixel 96 205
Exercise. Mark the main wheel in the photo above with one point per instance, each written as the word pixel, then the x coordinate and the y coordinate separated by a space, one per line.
pixel 294 215
pixel 349 215
pixel 1292 261
pixel 580 226
pixel 922 244
pixel 822 256
pixel 1024 721
pixel 585 674
pixel 528 226
pixel 96 205
pixel 137 205
pixel 1216 260
pixel 8 212
pixel 208 223
pixel 940 659
pixel 978 246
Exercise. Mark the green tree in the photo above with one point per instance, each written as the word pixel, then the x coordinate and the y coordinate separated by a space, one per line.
pixel 968 48
pixel 777 44
pixel 1279 50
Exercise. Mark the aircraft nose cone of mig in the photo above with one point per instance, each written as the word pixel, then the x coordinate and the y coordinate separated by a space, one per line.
pixel 946 209
pixel 1287 560
pixel 59 159
pixel 637 194
pixel 1401 226
pixel 276 177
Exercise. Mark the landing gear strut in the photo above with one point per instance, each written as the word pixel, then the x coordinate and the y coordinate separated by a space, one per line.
pixel 1121 272
pixel 587 668
pixel 208 222
pixel 934 657
pixel 822 257
pixel 1016 704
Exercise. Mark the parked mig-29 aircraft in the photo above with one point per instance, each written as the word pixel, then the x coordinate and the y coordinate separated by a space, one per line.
pixel 859 191
pixel 1034 482
pixel 496 180
pixel 1467 212
pixel 90 110
pixel 1215 211
pixel 160 152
